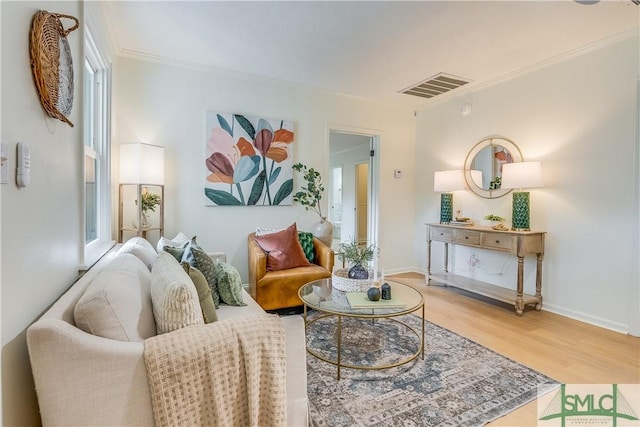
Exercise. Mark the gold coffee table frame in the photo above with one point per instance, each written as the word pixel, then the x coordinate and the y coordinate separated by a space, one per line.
pixel 318 296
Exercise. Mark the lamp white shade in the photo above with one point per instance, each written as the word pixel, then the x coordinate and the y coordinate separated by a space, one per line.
pixel 445 181
pixel 141 164
pixel 522 175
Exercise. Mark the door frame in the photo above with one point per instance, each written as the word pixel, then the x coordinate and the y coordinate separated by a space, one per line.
pixel 374 171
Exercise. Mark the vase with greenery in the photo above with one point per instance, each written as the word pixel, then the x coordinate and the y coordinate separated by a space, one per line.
pixel 309 196
pixel 149 201
pixel 357 255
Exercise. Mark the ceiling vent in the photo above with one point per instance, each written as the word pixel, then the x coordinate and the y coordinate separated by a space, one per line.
pixel 436 85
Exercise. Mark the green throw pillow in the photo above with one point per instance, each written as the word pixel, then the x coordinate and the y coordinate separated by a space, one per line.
pixel 188 256
pixel 204 263
pixel 176 251
pixel 204 293
pixel 306 241
pixel 229 283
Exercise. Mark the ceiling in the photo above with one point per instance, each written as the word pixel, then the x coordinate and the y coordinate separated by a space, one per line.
pixel 367 49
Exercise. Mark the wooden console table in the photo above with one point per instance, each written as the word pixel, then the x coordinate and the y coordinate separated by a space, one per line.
pixel 520 243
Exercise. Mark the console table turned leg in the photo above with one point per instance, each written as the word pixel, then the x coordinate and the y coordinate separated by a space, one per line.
pixel 540 257
pixel 428 276
pixel 519 300
pixel 446 257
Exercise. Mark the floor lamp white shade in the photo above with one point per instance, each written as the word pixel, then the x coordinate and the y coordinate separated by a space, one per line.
pixel 141 163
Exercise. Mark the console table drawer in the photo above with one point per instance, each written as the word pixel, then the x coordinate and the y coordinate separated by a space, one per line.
pixel 468 237
pixel 498 241
pixel 441 234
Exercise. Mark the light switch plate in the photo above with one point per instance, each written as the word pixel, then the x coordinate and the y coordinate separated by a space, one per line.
pixel 397 174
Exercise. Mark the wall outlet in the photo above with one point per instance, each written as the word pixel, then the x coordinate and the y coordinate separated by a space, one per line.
pixel 473 261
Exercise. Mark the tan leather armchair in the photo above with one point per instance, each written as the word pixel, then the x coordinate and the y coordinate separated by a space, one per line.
pixel 279 289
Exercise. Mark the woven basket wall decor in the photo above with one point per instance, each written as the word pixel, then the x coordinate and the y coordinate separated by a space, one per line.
pixel 51 63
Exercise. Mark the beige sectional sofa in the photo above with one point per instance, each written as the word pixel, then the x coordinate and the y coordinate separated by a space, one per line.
pixel 83 379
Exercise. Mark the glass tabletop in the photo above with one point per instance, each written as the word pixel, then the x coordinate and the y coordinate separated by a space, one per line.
pixel 322 296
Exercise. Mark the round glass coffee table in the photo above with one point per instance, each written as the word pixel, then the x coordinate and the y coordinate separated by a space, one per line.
pixel 320 295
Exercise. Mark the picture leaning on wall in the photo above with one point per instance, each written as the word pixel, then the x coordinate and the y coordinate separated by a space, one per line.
pixel 249 161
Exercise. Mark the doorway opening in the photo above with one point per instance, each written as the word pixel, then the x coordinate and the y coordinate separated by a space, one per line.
pixel 362 202
pixel 353 195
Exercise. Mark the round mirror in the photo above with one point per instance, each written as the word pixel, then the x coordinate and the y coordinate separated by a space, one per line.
pixel 483 166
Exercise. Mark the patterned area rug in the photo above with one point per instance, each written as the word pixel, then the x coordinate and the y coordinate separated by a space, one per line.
pixel 459 382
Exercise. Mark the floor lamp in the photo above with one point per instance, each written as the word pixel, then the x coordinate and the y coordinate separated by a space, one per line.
pixel 445 182
pixel 518 176
pixel 141 167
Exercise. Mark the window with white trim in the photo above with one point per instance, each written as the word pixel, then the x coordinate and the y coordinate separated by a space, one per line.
pixel 97 147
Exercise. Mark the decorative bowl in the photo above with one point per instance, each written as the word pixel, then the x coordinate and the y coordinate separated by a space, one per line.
pixel 341 281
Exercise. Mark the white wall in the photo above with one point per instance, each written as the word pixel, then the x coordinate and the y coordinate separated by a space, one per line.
pixel 165 105
pixel 41 232
pixel 578 117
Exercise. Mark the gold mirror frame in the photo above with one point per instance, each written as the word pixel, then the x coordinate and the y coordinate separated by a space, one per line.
pixel 491 141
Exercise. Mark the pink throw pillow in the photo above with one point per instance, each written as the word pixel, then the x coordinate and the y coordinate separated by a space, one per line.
pixel 283 249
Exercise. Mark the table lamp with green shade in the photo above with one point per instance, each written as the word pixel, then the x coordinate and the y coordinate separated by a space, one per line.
pixel 445 182
pixel 521 175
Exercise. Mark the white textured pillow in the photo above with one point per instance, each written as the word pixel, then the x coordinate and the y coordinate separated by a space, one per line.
pixel 174 296
pixel 176 242
pixel 261 231
pixel 142 249
pixel 117 303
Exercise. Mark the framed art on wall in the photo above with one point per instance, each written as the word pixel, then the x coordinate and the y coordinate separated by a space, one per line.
pixel 249 161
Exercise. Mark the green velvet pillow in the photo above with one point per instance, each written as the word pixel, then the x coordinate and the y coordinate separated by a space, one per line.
pixel 306 241
pixel 229 283
pixel 204 293
pixel 177 252
pixel 204 263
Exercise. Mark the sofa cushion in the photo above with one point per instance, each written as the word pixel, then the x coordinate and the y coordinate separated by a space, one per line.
pixel 174 296
pixel 283 249
pixel 204 293
pixel 142 249
pixel 229 283
pixel 117 303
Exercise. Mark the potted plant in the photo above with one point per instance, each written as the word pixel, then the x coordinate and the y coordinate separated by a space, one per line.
pixel 497 222
pixel 357 255
pixel 309 196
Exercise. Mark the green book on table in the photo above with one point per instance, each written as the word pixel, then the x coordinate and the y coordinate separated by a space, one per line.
pixel 360 300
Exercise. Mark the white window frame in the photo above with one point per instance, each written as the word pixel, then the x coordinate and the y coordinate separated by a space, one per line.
pixel 98 147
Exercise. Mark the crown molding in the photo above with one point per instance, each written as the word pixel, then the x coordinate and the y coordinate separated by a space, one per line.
pixel 474 87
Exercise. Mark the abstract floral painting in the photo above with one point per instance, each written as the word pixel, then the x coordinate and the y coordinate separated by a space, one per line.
pixel 249 161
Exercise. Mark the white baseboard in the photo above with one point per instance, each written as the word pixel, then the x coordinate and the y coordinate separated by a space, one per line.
pixel 586 318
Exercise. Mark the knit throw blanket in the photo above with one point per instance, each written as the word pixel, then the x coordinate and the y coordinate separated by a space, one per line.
pixel 227 373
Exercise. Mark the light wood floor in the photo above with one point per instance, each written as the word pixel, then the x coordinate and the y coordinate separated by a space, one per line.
pixel 564 349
